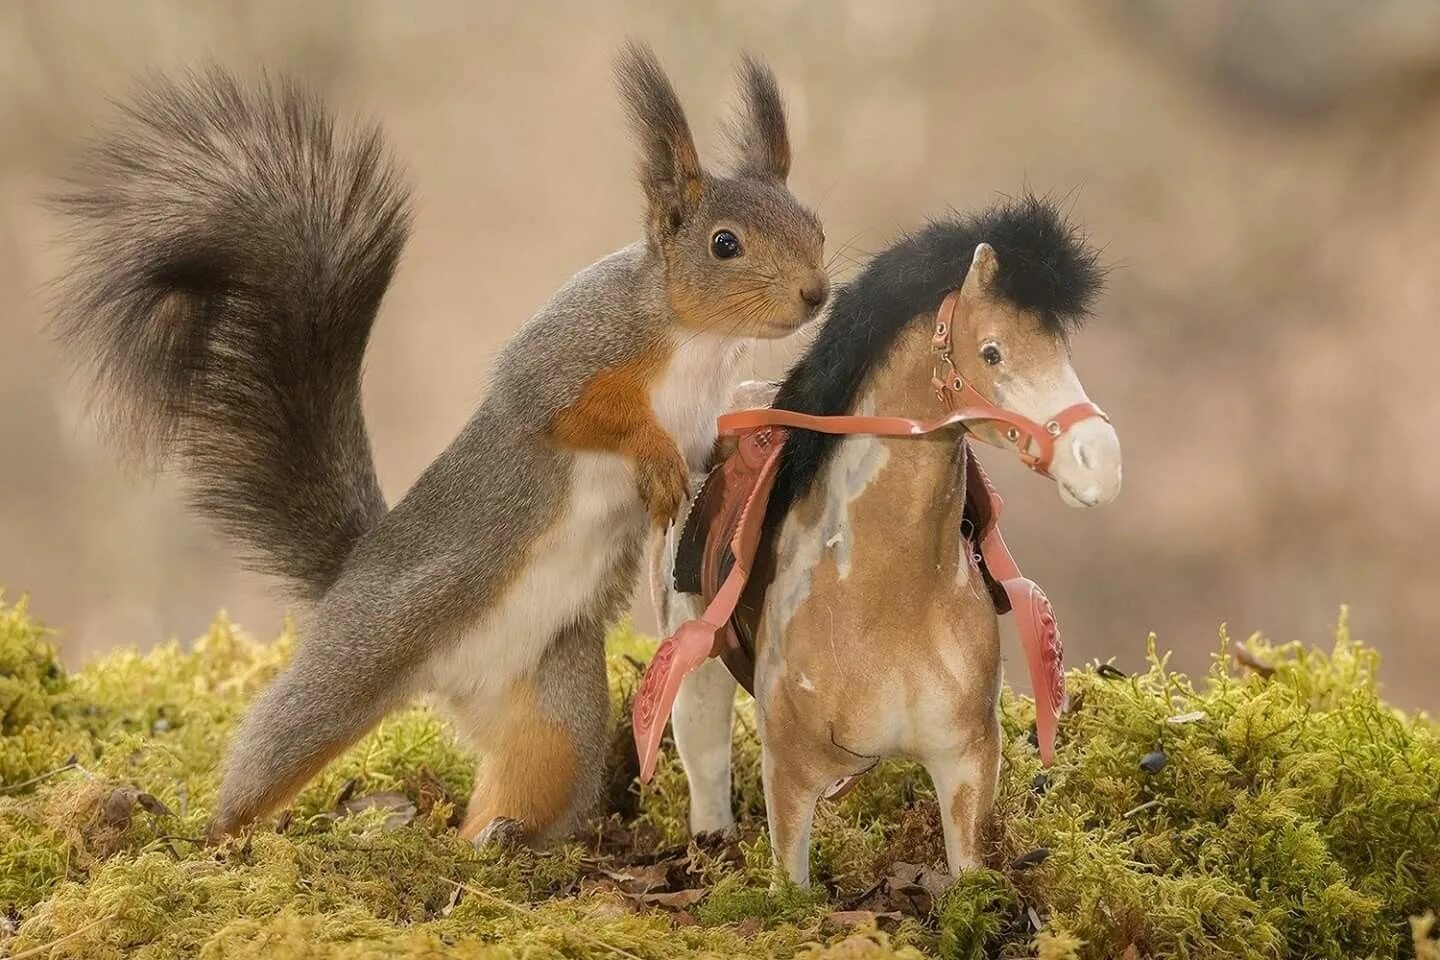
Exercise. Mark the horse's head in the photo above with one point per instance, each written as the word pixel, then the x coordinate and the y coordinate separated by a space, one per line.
pixel 1019 359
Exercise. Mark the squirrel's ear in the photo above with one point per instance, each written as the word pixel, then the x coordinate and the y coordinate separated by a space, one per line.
pixel 669 165
pixel 757 131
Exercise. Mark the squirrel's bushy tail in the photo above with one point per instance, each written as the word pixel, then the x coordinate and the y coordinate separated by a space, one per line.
pixel 232 252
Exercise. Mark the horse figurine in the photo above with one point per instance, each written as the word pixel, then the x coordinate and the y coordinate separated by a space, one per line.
pixel 859 571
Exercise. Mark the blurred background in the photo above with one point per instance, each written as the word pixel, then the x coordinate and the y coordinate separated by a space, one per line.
pixel 1263 178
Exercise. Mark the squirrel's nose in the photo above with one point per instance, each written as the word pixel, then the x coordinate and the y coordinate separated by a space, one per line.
pixel 815 290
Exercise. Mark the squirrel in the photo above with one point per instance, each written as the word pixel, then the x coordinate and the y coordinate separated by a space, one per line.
pixel 232 251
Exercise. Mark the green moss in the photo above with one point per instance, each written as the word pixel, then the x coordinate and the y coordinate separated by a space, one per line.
pixel 1295 815
pixel 973 915
pixel 37 709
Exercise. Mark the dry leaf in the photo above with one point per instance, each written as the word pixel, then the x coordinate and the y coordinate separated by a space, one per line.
pixel 1030 858
pixel 911 899
pixel 149 804
pixel 1245 658
pixel 119 808
pixel 912 889
pixel 640 879
pixel 347 790
pixel 935 882
pixel 748 928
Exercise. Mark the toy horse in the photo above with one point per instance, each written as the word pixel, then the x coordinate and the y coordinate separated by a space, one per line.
pixel 842 559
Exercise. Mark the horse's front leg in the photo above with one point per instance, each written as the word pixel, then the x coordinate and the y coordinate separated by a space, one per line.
pixel 704 712
pixel 799 762
pixel 965 780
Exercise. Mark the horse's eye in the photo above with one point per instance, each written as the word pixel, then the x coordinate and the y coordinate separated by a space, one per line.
pixel 990 354
pixel 725 244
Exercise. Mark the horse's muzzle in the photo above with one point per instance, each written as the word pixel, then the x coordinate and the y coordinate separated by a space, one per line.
pixel 1087 464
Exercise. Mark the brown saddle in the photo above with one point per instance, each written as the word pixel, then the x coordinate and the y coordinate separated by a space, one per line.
pixel 704 555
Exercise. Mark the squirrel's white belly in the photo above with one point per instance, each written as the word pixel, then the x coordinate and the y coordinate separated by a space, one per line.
pixel 695 389
pixel 565 567
pixel 567 564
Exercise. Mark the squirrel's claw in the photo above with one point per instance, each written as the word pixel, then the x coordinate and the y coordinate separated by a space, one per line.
pixel 664 483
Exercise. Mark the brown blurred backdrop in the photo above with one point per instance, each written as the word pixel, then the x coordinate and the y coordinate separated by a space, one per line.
pixel 1265 181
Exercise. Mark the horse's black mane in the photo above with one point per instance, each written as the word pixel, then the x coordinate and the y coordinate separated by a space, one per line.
pixel 1044 266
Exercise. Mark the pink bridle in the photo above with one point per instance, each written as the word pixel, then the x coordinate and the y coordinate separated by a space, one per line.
pixel 955 391
pixel 762 433
pixel 1034 442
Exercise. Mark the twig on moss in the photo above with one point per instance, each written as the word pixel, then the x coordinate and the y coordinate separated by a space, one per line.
pixel 70 764
pixel 1147 805
pixel 527 912
pixel 47 947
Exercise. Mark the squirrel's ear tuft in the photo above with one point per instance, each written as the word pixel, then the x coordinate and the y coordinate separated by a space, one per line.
pixel 757 131
pixel 669 164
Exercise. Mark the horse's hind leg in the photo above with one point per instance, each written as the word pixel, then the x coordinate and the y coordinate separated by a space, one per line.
pixel 965 787
pixel 704 712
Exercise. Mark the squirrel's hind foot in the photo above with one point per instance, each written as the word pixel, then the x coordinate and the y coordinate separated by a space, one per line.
pixel 507 833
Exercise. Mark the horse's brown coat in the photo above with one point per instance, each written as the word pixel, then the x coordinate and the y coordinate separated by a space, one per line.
pixel 875 635
pixel 896 655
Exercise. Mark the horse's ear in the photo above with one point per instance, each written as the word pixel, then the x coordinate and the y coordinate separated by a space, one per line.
pixel 757 131
pixel 981 275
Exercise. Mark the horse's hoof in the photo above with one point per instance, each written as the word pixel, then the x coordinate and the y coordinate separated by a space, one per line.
pixel 507 833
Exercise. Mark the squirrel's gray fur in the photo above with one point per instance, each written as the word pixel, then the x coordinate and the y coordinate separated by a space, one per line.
pixel 233 252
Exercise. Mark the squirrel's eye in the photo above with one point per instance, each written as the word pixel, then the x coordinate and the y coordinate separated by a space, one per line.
pixel 725 244
pixel 990 354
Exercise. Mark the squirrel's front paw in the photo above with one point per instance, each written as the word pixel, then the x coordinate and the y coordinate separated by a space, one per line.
pixel 664 484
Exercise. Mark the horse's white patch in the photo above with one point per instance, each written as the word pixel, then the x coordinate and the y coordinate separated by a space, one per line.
pixel 806 684
pixel 857 461
pixel 1086 466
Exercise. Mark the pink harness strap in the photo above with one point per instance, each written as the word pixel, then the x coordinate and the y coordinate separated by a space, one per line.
pixel 695 641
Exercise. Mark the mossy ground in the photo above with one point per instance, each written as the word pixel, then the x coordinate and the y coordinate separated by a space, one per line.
pixel 1285 812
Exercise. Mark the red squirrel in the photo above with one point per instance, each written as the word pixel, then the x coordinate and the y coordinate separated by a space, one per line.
pixel 233 251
